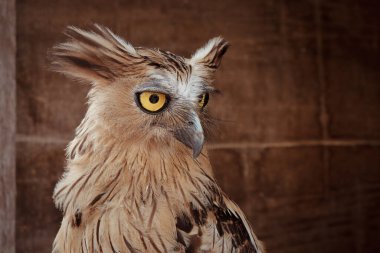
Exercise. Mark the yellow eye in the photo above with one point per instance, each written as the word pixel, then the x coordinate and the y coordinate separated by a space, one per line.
pixel 152 102
pixel 203 100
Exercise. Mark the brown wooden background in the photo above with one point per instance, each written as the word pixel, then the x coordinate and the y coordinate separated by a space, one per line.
pixel 298 145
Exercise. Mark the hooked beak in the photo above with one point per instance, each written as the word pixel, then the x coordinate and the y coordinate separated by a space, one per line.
pixel 191 135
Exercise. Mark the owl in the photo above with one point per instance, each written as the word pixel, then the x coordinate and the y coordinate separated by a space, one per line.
pixel 137 178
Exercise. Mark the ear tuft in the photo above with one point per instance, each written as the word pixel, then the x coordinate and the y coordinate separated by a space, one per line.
pixel 95 56
pixel 212 53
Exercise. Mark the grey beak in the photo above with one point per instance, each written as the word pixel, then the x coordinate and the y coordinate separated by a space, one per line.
pixel 191 135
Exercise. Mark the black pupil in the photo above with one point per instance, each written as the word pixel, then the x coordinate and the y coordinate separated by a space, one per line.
pixel 153 98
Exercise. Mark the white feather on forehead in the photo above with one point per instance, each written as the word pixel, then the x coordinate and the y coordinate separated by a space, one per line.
pixel 188 89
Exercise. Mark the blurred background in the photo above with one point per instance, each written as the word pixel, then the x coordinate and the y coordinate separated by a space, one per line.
pixel 298 144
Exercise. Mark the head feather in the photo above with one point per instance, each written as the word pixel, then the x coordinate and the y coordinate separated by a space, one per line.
pixel 212 53
pixel 97 56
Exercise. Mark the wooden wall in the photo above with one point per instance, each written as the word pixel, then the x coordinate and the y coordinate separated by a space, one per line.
pixel 7 125
pixel 298 143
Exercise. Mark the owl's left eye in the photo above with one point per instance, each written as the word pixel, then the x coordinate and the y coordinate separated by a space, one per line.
pixel 203 100
pixel 152 102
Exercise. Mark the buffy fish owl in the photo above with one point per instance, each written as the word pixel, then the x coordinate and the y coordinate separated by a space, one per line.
pixel 137 177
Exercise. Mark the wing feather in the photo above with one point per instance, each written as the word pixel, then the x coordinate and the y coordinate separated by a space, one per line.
pixel 219 226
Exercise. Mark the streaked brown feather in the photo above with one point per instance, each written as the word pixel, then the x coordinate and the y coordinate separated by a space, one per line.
pixel 129 185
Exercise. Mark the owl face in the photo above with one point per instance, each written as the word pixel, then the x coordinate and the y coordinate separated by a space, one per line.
pixel 140 93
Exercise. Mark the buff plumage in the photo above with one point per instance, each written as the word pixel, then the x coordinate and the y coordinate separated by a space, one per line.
pixel 137 181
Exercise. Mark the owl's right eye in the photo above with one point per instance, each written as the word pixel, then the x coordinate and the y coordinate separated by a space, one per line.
pixel 152 102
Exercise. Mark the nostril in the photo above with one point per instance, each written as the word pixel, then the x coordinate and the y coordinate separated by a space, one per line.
pixel 190 123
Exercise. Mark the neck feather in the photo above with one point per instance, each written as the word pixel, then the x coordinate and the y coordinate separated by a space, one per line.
pixel 102 167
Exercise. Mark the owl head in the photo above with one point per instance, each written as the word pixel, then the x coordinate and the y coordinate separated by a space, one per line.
pixel 141 94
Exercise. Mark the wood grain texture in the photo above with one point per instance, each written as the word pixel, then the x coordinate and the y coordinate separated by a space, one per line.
pixel 7 125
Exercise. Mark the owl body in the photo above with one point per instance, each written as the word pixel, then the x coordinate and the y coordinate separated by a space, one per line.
pixel 137 178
